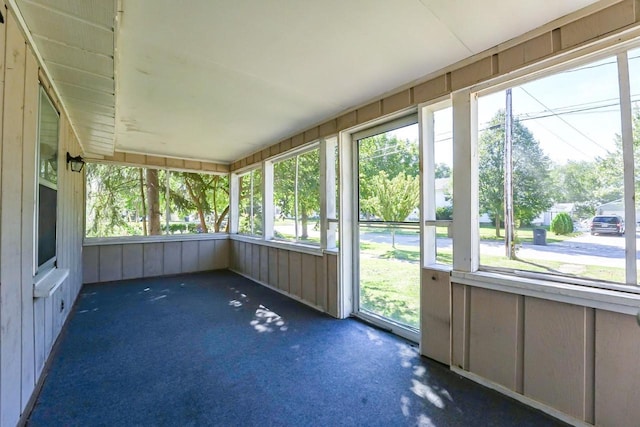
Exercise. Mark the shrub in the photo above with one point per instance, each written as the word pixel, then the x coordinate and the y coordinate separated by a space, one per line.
pixel 562 224
pixel 444 212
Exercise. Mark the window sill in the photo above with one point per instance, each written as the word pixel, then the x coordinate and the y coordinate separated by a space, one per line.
pixel 439 267
pixel 101 241
pixel 49 282
pixel 295 247
pixel 593 297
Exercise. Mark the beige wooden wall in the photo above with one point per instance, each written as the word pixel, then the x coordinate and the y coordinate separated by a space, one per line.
pixel 108 262
pixel 29 327
pixel 312 279
pixel 578 360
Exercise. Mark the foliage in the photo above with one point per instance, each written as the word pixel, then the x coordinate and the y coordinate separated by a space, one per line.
pixel 394 199
pixel 124 200
pixel 442 170
pixel 562 224
pixel 250 203
pixel 385 152
pixel 113 200
pixel 301 173
pixel 444 212
pixel 532 192
pixel 207 195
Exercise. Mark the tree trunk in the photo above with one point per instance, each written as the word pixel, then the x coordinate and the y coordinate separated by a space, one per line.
pixel 154 202
pixel 221 218
pixel 393 237
pixel 305 220
pixel 498 225
pixel 203 222
pixel 144 205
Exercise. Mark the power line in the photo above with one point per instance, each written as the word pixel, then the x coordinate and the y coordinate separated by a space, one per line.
pixel 563 120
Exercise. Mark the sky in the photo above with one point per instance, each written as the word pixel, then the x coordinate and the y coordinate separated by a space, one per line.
pixel 574 114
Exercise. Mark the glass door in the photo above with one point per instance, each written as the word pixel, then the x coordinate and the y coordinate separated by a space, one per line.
pixel 388 233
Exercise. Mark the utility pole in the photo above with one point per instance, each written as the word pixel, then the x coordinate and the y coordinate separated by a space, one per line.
pixel 510 248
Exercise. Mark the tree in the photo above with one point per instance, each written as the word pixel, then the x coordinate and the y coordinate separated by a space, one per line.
pixel 532 193
pixel 204 193
pixel 442 170
pixel 394 199
pixel 385 152
pixel 298 180
pixel 153 203
pixel 113 200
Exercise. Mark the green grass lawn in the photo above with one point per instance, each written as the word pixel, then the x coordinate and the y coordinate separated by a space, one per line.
pixel 390 278
pixel 523 234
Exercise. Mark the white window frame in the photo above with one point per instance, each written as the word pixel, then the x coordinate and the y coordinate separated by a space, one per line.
pixel 166 236
pixel 465 123
pixel 269 189
pixel 427 179
pixel 235 199
pixel 52 262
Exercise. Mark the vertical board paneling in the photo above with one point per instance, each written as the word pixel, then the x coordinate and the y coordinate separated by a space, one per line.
pixel 273 267
pixel 493 336
pixel 132 261
pixel 242 257
pixel 321 282
pixel 90 264
pixel 206 254
pixel 11 238
pixel 153 257
pixel 110 263
pixel 172 257
pixel 295 273
pixel 283 270
pixel 255 261
pixel 435 326
pixel 458 326
pixel 617 371
pixel 221 258
pixel 332 284
pixel 39 325
pixel 30 124
pixel 248 259
pixel 189 257
pixel 554 361
pixel 233 255
pixel 264 264
pixel 308 278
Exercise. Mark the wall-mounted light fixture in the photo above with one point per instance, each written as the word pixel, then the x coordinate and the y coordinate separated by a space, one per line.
pixel 77 163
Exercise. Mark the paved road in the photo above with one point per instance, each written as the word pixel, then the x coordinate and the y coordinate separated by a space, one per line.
pixel 584 249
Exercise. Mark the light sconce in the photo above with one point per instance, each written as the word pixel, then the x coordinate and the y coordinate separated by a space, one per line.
pixel 77 163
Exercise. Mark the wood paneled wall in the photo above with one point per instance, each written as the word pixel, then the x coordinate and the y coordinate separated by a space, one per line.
pixel 578 360
pixel 312 279
pixel 109 262
pixel 29 327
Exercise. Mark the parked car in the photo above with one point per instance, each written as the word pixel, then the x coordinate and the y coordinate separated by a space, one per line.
pixel 607 224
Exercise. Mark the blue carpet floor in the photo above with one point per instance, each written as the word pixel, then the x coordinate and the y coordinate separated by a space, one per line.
pixel 217 349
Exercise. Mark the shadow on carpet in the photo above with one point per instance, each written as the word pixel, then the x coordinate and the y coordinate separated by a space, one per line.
pixel 217 349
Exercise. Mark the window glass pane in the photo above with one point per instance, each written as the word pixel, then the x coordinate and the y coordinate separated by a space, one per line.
pixel 199 203
pixel 47 197
pixel 566 169
pixel 296 195
pixel 634 77
pixel 124 201
pixel 48 141
pixel 388 170
pixel 250 203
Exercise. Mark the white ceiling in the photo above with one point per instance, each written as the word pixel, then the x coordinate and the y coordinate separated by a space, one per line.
pixel 217 80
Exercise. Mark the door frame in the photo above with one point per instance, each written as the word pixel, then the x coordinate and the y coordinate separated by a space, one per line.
pixel 350 268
